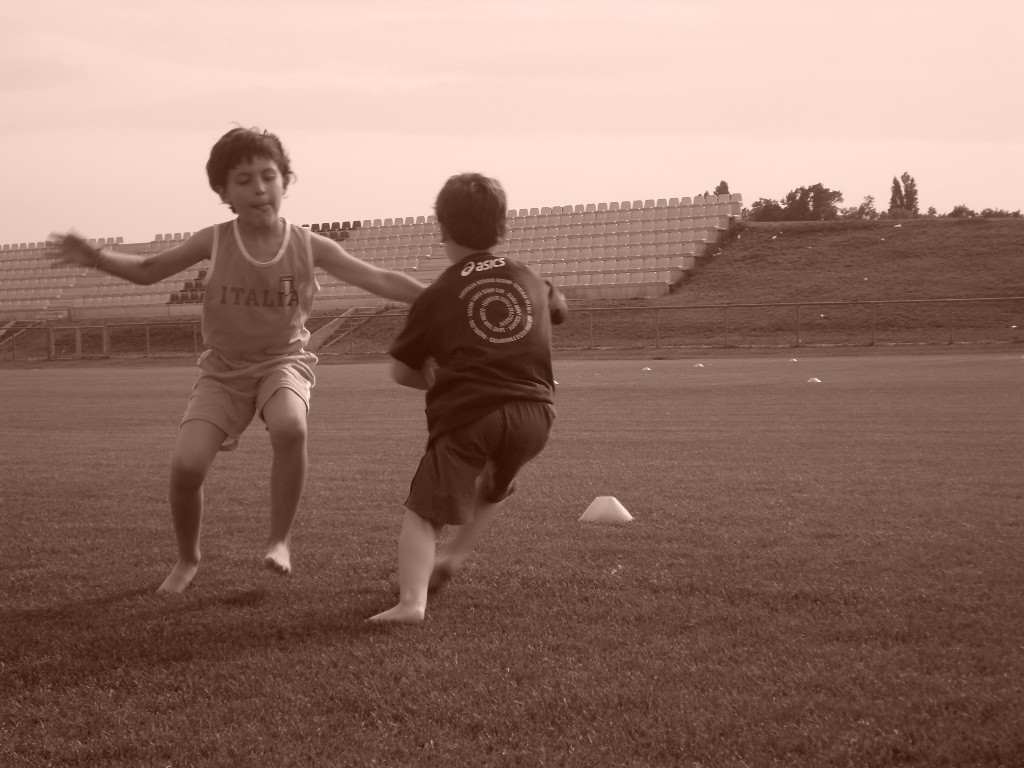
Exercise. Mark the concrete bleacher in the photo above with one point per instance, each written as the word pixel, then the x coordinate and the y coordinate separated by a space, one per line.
pixel 625 249
pixel 628 249
pixel 31 288
pixel 620 250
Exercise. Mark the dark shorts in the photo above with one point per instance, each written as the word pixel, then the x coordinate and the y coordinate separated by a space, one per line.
pixel 492 450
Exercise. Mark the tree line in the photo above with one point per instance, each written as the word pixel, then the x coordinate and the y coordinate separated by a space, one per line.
pixel 819 203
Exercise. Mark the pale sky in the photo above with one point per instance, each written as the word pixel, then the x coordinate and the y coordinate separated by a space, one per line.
pixel 108 108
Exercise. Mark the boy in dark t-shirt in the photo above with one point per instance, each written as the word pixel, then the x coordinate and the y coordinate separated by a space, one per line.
pixel 478 340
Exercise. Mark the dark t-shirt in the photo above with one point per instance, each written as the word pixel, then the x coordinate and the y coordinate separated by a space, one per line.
pixel 486 322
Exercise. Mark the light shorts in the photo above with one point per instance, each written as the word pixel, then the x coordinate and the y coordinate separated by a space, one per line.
pixel 229 399
pixel 494 448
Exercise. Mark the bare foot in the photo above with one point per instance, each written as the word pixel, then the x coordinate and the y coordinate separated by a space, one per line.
pixel 400 614
pixel 179 578
pixel 278 559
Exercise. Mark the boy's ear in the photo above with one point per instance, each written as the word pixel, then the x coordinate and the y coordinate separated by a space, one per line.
pixel 221 193
pixel 444 232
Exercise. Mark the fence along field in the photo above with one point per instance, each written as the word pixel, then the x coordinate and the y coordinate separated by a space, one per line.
pixel 816 575
pixel 837 324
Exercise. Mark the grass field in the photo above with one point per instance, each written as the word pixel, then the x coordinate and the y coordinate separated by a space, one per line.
pixel 818 574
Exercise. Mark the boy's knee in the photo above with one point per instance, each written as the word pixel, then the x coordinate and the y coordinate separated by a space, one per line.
pixel 186 474
pixel 289 434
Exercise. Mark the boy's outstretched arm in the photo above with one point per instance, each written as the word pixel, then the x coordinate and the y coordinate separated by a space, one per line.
pixel 70 248
pixel 389 284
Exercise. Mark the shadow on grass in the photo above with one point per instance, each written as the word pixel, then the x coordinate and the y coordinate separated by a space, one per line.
pixel 66 645
pixel 87 609
pixel 73 610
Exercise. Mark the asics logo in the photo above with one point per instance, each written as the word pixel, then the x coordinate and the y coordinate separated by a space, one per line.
pixel 482 266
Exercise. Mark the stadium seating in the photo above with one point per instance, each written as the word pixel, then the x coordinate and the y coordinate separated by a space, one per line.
pixel 616 249
pixel 31 287
pixel 614 244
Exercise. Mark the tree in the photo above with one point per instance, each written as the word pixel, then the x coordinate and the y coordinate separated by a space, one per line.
pixel 722 188
pixel 896 200
pixel 765 210
pixel 797 204
pixel 962 212
pixel 910 194
pixel 823 203
pixel 814 203
pixel 931 211
pixel 903 201
pixel 863 212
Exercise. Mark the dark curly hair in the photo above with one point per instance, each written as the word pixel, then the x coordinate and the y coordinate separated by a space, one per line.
pixel 241 145
pixel 471 208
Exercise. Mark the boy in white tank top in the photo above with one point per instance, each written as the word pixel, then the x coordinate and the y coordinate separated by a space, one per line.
pixel 259 294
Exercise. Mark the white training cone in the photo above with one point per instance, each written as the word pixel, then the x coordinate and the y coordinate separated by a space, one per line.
pixel 605 509
pixel 814 381
pixel 699 365
pixel 645 368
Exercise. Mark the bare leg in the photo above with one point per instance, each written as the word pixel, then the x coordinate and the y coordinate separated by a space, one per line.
pixel 285 415
pixel 194 452
pixel 416 545
pixel 460 545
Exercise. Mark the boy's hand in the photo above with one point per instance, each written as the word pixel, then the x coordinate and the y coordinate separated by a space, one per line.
pixel 429 371
pixel 558 307
pixel 70 248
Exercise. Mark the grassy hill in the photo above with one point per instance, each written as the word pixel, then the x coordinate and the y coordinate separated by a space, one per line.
pixel 810 263
pixel 861 261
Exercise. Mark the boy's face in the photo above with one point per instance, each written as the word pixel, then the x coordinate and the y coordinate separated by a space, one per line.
pixel 254 190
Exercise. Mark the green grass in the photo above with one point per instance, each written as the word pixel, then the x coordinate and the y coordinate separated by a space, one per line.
pixel 816 575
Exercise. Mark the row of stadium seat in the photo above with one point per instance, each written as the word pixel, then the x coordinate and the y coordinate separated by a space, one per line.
pixel 42 246
pixel 550 225
pixel 685 208
pixel 551 237
pixel 101 290
pixel 424 233
pixel 729 205
pixel 597 244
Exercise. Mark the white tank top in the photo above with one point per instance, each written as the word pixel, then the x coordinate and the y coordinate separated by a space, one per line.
pixel 253 311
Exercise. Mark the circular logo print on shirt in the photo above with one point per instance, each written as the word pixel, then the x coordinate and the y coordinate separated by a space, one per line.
pixel 498 309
